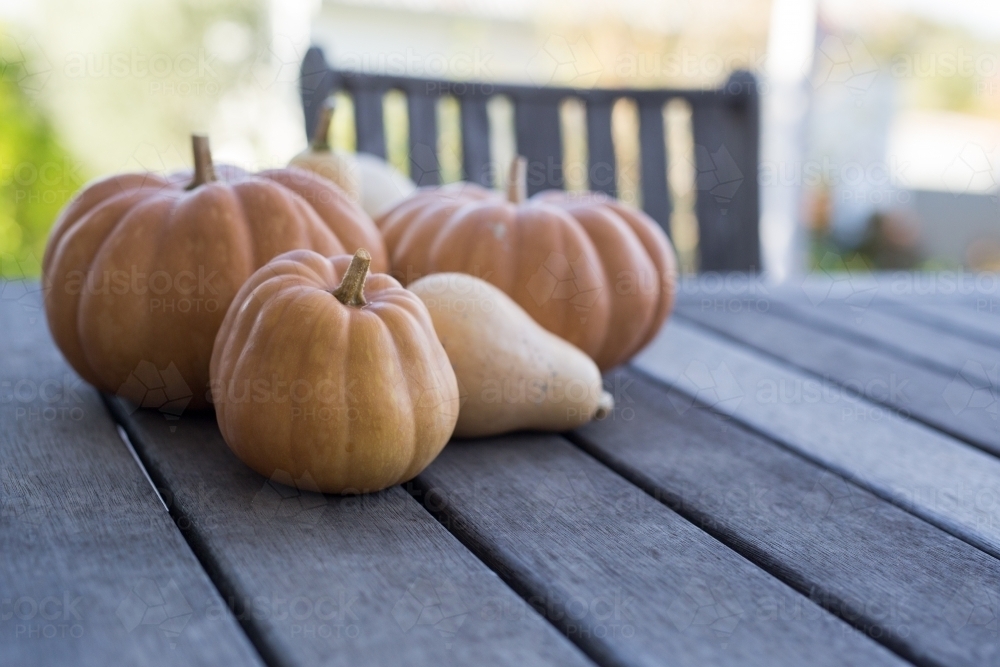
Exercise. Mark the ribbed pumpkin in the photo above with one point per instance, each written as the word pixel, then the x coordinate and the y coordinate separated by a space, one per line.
pixel 597 272
pixel 140 268
pixel 325 373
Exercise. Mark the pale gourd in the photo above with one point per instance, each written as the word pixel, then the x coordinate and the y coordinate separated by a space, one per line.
pixel 367 179
pixel 512 373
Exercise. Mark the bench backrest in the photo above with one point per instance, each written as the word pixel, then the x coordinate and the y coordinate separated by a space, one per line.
pixel 724 123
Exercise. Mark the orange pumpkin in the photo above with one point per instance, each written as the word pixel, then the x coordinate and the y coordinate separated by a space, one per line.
pixel 332 377
pixel 140 268
pixel 597 272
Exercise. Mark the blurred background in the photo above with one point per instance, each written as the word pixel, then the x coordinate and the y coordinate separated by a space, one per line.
pixel 880 127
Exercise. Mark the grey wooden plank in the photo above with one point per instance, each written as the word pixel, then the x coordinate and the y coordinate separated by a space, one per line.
pixel 94 570
pixel 726 134
pixel 934 476
pixel 425 169
pixel 858 285
pixel 977 322
pixel 368 121
pixel 601 163
pixel 476 164
pixel 900 580
pixel 331 580
pixel 653 152
pixel 951 403
pixel 539 139
pixel 626 577
pixel 919 343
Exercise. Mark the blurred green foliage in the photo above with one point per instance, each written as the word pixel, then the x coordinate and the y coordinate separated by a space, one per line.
pixel 37 175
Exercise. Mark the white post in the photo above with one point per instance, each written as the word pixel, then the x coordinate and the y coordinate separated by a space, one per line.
pixel 785 110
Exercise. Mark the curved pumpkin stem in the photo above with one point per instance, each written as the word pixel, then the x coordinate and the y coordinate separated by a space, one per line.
pixel 351 291
pixel 517 180
pixel 204 170
pixel 321 133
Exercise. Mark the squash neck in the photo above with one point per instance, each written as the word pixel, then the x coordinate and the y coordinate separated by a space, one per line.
pixel 321 132
pixel 517 180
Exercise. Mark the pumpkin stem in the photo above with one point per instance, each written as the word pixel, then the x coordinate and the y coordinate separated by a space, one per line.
pixel 517 180
pixel 204 171
pixel 605 406
pixel 351 291
pixel 321 133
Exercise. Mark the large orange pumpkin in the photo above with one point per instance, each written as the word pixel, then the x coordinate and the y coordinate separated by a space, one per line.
pixel 597 272
pixel 140 268
pixel 332 377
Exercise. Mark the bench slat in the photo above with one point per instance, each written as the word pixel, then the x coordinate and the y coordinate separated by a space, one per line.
pixel 624 576
pixel 894 576
pixel 601 164
pixel 337 580
pixel 476 141
pixel 316 83
pixel 653 152
pixel 539 139
pixel 368 121
pixel 919 469
pixel 726 138
pixel 424 166
pixel 94 570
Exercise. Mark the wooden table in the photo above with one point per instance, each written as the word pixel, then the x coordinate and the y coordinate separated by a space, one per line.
pixel 790 477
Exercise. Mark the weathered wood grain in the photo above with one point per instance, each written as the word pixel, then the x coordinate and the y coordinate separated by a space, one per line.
pixel 94 571
pixel 900 580
pixel 948 402
pixel 330 580
pixel 938 478
pixel 919 343
pixel 976 321
pixel 620 573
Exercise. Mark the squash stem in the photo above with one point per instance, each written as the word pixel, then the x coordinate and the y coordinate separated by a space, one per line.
pixel 321 133
pixel 605 406
pixel 517 180
pixel 204 170
pixel 351 291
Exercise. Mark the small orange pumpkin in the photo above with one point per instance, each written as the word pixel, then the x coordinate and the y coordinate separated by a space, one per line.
pixel 331 376
pixel 140 268
pixel 597 272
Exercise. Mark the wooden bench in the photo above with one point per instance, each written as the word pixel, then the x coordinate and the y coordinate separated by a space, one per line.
pixel 725 125
pixel 790 477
